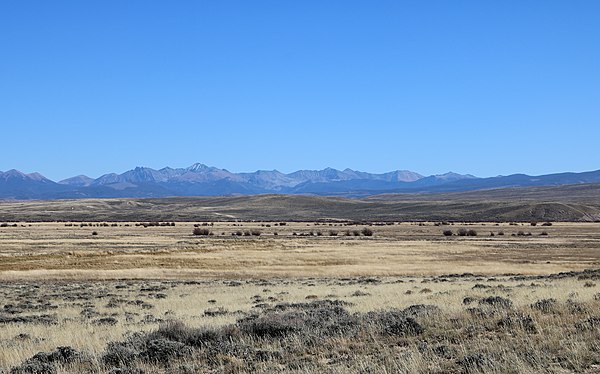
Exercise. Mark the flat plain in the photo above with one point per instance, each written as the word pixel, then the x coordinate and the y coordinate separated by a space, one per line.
pixel 143 297
pixel 101 250
pixel 454 283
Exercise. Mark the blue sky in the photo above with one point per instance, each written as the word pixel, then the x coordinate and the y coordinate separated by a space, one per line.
pixel 480 87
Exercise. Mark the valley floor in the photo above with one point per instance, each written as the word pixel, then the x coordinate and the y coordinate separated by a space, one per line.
pixel 299 297
pixel 131 250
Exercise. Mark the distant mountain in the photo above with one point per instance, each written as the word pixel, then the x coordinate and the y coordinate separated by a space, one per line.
pixel 17 185
pixel 202 180
pixel 78 181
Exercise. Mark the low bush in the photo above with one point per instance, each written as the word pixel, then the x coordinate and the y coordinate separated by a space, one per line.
pixel 367 231
pixel 200 231
pixel 545 305
pixel 496 301
pixel 493 336
pixel 44 362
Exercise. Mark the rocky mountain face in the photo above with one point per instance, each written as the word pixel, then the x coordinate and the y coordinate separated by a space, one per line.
pixel 17 185
pixel 200 179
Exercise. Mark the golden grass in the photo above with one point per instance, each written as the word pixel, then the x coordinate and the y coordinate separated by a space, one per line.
pixel 187 303
pixel 404 261
pixel 56 251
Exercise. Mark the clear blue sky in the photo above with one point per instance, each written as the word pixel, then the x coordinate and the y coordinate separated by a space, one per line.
pixel 481 87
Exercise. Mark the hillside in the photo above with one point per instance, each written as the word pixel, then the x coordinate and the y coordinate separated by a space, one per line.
pixel 556 204
pixel 584 193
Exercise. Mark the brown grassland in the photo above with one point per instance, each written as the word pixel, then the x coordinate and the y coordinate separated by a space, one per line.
pixel 119 297
pixel 70 251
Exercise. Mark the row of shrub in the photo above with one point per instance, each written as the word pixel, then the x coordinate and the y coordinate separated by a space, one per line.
pixel 461 232
pixel 206 232
pixel 199 231
pixel 465 232
pixel 161 224
pixel 104 224
pixel 365 232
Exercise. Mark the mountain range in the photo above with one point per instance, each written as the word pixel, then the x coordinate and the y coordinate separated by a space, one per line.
pixel 202 180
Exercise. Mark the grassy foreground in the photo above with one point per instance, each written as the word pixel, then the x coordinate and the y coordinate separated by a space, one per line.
pixel 454 323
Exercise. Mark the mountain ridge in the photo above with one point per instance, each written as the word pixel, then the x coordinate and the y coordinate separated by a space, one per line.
pixel 202 180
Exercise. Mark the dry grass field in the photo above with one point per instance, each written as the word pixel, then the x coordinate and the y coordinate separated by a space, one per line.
pixel 454 324
pixel 300 297
pixel 130 250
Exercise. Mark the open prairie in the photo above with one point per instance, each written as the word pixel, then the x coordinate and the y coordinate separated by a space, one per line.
pixel 91 251
pixel 332 297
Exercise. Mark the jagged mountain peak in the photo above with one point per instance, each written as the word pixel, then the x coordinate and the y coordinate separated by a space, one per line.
pixel 14 174
pixel 197 167
pixel 200 179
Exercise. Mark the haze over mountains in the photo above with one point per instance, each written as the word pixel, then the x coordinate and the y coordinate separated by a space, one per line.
pixel 202 180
